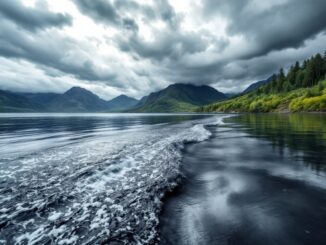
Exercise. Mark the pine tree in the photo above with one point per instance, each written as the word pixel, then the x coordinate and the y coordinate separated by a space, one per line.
pixel 308 75
pixel 324 67
pixel 299 79
pixel 297 66
pixel 291 75
pixel 286 86
pixel 281 75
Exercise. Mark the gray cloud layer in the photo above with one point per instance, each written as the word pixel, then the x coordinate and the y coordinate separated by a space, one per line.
pixel 276 27
pixel 260 37
pixel 32 18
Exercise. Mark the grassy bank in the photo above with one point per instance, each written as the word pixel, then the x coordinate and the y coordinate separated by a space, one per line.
pixel 298 100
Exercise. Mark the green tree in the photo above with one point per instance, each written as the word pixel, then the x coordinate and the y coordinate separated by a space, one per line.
pixel 297 66
pixel 291 75
pixel 299 79
pixel 286 86
pixel 308 74
pixel 324 70
pixel 281 75
pixel 318 68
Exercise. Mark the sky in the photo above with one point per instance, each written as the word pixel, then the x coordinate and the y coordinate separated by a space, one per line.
pixel 114 47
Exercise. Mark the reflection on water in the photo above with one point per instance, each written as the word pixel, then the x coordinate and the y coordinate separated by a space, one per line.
pixel 27 132
pixel 298 133
pixel 259 180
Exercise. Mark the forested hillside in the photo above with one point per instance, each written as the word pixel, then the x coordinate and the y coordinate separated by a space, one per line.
pixel 303 88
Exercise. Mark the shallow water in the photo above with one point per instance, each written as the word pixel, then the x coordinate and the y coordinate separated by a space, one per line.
pixel 89 178
pixel 260 179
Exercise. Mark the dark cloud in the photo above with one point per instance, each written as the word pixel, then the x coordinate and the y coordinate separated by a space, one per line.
pixel 116 12
pixel 100 10
pixel 108 12
pixel 54 51
pixel 155 43
pixel 130 24
pixel 167 45
pixel 32 18
pixel 266 27
pixel 282 25
pixel 168 14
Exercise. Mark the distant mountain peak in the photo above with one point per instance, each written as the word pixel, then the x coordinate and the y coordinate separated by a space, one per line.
pixel 179 97
pixel 77 89
pixel 123 96
pixel 121 103
pixel 257 85
pixel 180 85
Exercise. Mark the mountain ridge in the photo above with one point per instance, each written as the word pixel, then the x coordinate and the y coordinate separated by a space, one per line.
pixel 257 85
pixel 121 103
pixel 178 97
pixel 75 99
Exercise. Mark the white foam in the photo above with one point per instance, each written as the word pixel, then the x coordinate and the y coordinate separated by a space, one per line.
pixel 54 216
pixel 117 180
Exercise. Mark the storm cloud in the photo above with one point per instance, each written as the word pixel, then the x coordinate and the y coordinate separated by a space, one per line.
pixel 271 25
pixel 133 47
pixel 32 18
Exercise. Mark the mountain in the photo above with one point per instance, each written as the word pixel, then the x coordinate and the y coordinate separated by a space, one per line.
pixel 142 101
pixel 12 102
pixel 40 98
pixel 121 103
pixel 256 85
pixel 77 99
pixel 230 95
pixel 178 98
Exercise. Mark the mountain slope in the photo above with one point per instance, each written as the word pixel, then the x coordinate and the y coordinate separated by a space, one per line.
pixel 11 102
pixel 121 103
pixel 179 98
pixel 41 99
pixel 256 85
pixel 77 99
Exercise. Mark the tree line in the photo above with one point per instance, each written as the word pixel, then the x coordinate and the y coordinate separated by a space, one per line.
pixel 304 75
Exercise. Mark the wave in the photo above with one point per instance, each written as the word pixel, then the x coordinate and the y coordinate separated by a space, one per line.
pixel 97 191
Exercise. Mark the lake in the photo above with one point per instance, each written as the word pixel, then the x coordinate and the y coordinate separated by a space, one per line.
pixel 162 178
pixel 260 179
pixel 89 178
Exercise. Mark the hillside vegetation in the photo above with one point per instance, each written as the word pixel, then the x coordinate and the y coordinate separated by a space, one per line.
pixel 303 88
pixel 178 98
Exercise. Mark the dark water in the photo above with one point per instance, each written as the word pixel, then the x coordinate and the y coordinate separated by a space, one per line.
pixel 89 178
pixel 100 179
pixel 260 179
